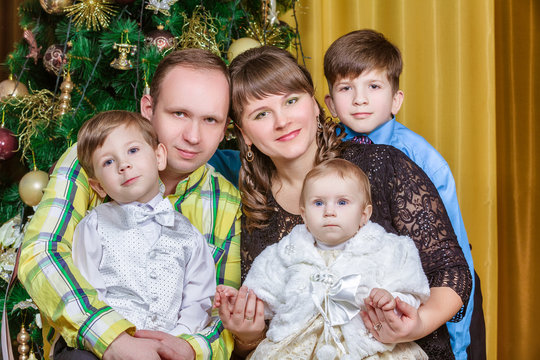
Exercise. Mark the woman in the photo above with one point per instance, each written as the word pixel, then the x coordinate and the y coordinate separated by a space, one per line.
pixel 282 135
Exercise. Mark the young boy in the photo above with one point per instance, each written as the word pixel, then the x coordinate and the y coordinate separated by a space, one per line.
pixel 323 272
pixel 362 69
pixel 146 261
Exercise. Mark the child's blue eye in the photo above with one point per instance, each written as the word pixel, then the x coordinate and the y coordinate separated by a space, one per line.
pixel 345 88
pixel 374 86
pixel 342 202
pixel 107 162
pixel 133 150
pixel 318 203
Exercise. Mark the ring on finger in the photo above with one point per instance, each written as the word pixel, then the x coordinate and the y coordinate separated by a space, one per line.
pixel 249 318
pixel 377 327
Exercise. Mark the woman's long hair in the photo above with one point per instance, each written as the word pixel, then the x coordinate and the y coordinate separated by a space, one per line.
pixel 256 74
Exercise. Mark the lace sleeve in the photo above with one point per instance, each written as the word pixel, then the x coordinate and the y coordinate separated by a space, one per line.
pixel 406 202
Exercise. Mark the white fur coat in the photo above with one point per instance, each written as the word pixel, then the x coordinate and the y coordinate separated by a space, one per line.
pixel 285 277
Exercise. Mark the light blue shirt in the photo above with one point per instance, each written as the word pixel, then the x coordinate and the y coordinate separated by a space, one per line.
pixel 437 169
pixel 227 162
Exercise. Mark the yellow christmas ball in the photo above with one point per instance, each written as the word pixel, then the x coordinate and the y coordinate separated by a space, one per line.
pixel 11 87
pixel 55 6
pixel 288 18
pixel 31 187
pixel 240 45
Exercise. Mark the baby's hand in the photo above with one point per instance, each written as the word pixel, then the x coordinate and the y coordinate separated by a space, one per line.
pixel 382 299
pixel 225 296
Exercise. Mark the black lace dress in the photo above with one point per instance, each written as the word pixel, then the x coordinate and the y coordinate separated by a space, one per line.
pixel 404 202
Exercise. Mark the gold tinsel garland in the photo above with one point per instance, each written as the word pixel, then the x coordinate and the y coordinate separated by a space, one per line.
pixel 199 31
pixel 95 14
pixel 266 35
pixel 33 111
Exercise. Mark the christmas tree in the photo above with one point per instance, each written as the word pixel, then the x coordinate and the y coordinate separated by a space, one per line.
pixel 81 57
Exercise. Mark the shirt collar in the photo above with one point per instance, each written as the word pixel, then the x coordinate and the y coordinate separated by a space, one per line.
pixel 191 182
pixel 381 135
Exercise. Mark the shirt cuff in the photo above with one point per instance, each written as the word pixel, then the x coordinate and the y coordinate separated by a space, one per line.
pixel 101 329
pixel 199 344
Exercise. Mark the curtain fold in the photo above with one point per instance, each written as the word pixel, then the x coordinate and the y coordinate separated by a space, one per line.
pixel 448 49
pixel 518 128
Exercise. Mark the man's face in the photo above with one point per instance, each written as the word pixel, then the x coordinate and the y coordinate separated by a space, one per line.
pixel 190 117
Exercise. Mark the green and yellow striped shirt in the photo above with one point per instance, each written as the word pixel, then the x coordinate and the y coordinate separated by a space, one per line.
pixel 70 306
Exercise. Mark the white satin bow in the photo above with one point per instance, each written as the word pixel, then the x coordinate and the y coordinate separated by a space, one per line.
pixel 339 303
pixel 162 213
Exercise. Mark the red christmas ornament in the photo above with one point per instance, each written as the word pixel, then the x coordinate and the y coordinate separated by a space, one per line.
pixel 160 38
pixel 8 144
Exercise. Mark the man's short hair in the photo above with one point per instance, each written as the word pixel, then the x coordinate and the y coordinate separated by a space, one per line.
pixel 197 59
pixel 93 133
pixel 359 51
pixel 338 167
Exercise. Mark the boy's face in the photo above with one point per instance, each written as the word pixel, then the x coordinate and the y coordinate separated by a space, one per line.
pixel 190 117
pixel 126 166
pixel 365 102
pixel 334 208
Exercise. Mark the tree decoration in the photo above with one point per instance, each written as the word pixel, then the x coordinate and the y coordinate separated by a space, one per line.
pixel 122 62
pixel 34 113
pixel 199 31
pixel 31 186
pixel 12 88
pixel 238 46
pixel 22 339
pixel 162 6
pixel 269 13
pixel 54 58
pixel 271 35
pixel 93 14
pixel 64 103
pixel 8 142
pixel 160 38
pixel 33 49
pixel 55 7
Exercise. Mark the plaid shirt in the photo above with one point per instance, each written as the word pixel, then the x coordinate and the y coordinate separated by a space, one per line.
pixel 68 301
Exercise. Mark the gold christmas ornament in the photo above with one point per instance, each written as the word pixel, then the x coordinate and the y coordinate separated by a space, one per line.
pixel 240 45
pixel 122 62
pixel 94 14
pixel 12 87
pixel 22 339
pixel 64 101
pixel 55 6
pixel 199 31
pixel 31 187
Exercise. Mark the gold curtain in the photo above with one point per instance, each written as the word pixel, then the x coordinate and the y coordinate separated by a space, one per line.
pixel 470 84
pixel 518 82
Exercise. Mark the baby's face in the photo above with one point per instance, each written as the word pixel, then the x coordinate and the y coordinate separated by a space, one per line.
pixel 126 167
pixel 334 208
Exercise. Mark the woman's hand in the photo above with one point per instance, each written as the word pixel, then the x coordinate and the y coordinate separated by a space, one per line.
pixel 242 314
pixel 388 327
pixel 413 324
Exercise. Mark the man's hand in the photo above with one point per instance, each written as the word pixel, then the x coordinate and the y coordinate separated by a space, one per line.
pixel 172 348
pixel 126 347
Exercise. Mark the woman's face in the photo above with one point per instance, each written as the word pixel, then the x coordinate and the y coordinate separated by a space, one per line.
pixel 283 126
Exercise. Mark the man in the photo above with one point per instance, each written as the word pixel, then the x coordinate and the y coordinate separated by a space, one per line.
pixel 188 106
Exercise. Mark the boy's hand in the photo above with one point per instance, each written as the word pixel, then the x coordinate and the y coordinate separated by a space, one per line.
pixel 381 299
pixel 126 347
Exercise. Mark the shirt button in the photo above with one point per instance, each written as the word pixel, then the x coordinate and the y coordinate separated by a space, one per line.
pixel 154 297
pixel 153 275
pixel 154 317
pixel 152 255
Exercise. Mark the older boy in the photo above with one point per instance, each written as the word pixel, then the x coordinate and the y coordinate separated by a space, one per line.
pixel 362 69
pixel 189 98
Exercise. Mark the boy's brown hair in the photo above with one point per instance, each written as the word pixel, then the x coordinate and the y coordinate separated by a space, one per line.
pixel 338 167
pixel 93 133
pixel 197 59
pixel 359 51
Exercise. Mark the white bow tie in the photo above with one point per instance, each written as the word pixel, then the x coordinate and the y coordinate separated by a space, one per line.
pixel 163 214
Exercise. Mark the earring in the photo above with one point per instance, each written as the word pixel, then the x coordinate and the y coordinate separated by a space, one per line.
pixel 249 154
pixel 319 124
